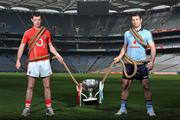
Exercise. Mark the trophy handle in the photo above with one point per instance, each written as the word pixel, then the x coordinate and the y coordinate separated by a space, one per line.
pixel 96 94
pixel 84 95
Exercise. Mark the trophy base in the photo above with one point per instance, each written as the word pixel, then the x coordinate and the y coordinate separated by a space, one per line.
pixel 91 101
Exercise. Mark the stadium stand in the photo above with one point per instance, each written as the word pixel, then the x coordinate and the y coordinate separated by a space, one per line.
pixel 89 43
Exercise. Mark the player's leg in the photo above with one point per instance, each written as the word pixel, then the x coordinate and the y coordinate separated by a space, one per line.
pixel 144 80
pixel 47 91
pixel 47 94
pixel 125 86
pixel 148 97
pixel 29 94
pixel 126 83
pixel 146 88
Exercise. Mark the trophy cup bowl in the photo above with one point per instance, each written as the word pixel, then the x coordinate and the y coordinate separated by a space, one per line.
pixel 90 85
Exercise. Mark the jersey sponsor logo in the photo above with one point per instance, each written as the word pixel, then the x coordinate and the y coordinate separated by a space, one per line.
pixel 40 42
pixel 134 44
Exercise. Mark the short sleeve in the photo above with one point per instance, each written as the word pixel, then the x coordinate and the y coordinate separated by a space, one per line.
pixel 125 38
pixel 25 38
pixel 149 37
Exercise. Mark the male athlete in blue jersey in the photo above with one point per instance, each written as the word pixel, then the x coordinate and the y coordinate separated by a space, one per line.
pixel 137 52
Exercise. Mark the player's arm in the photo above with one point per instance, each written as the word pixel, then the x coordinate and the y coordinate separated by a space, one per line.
pixel 122 52
pixel 153 55
pixel 54 52
pixel 19 55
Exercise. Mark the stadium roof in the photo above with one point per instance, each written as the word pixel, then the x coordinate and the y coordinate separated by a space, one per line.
pixel 61 6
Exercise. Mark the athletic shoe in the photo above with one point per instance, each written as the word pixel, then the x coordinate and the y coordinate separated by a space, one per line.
pixel 120 112
pixel 26 112
pixel 50 112
pixel 151 113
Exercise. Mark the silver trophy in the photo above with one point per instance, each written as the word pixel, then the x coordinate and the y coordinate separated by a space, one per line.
pixel 93 88
pixel 90 85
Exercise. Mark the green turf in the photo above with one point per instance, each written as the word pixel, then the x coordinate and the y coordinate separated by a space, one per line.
pixel 165 90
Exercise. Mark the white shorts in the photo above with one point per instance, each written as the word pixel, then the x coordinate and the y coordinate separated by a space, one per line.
pixel 39 68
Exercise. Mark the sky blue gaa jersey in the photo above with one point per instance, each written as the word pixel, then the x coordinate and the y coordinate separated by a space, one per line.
pixel 134 49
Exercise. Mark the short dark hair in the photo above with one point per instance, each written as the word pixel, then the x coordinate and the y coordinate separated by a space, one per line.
pixel 36 14
pixel 136 14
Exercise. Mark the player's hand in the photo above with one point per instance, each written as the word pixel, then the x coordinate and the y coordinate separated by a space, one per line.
pixel 18 64
pixel 117 59
pixel 60 59
pixel 150 65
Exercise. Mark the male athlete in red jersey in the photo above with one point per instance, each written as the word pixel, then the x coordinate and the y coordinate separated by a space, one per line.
pixel 38 39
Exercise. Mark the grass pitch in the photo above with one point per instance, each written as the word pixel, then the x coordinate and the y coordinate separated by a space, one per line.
pixel 165 90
